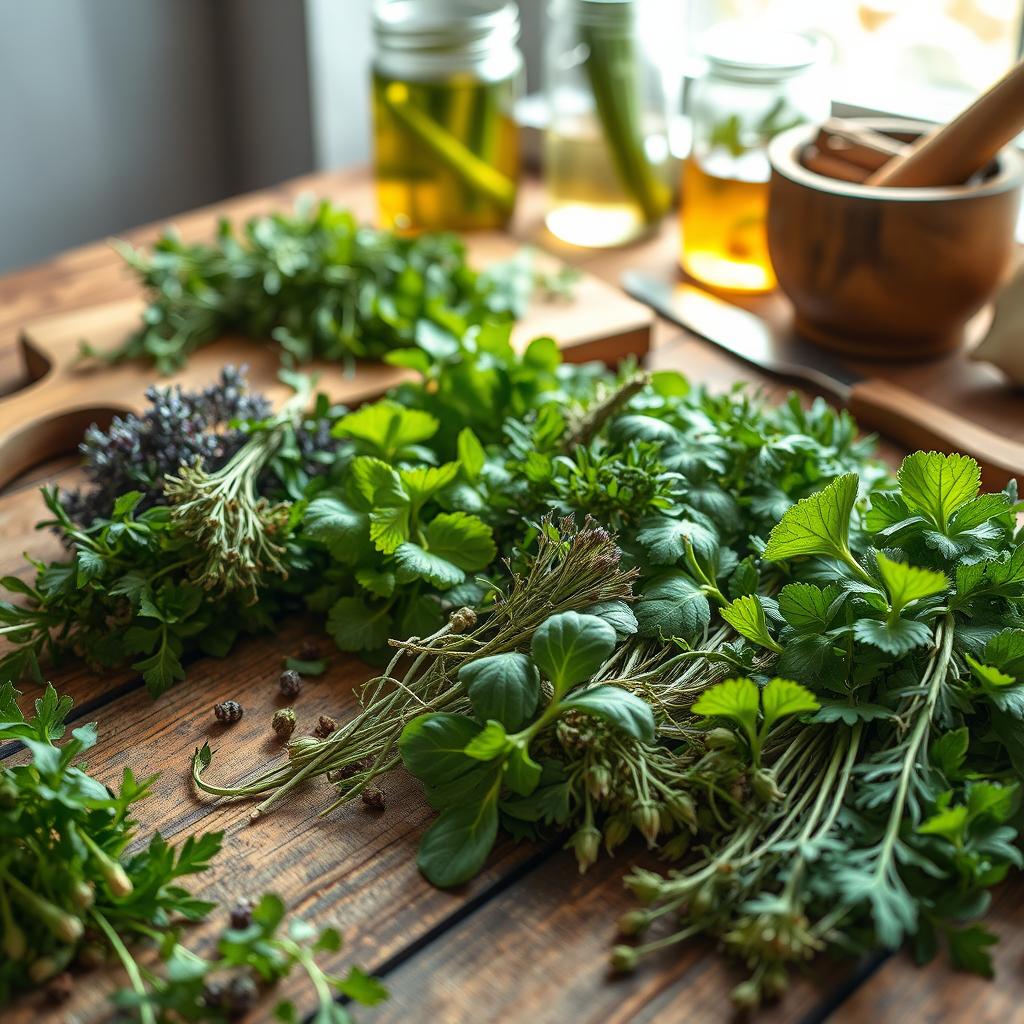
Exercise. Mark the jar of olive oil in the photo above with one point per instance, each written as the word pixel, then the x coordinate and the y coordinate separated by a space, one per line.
pixel 613 75
pixel 758 82
pixel 446 76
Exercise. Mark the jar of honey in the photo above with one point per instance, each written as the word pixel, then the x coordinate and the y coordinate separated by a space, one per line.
pixel 446 75
pixel 758 82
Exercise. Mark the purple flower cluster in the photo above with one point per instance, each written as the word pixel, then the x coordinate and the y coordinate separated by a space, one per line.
pixel 137 452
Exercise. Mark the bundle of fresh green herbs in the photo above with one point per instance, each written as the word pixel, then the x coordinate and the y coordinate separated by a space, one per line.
pixel 321 285
pixel 71 898
pixel 796 678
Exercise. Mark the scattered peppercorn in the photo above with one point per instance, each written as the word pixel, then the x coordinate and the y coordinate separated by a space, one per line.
pixel 241 915
pixel 290 683
pixel 374 799
pixel 214 991
pixel 59 989
pixel 310 650
pixel 325 726
pixel 241 995
pixel 229 711
pixel 283 722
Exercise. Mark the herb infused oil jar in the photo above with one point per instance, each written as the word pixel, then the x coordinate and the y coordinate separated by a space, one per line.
pixel 613 78
pixel 757 84
pixel 446 76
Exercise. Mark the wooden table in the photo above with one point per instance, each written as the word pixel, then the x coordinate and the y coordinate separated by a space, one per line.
pixel 526 941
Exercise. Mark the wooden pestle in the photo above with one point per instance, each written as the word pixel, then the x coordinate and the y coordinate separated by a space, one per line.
pixel 950 154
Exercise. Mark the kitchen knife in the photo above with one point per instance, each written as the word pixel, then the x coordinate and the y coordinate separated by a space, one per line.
pixel 879 404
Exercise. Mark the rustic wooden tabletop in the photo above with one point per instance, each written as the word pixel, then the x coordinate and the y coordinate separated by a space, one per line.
pixel 528 939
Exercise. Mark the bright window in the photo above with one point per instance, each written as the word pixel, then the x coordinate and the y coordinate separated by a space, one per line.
pixel 922 58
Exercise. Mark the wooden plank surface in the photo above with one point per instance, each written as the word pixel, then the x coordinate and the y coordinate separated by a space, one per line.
pixel 526 941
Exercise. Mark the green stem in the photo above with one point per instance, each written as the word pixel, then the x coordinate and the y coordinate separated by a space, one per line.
pixel 131 968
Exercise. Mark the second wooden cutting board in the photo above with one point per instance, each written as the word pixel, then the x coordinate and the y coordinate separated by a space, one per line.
pixel 47 417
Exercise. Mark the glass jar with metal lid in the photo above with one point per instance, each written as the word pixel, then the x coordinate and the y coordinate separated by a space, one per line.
pixel 758 82
pixel 613 75
pixel 446 75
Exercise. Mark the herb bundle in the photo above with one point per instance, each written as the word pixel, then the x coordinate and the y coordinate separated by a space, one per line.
pixel 71 898
pixel 321 285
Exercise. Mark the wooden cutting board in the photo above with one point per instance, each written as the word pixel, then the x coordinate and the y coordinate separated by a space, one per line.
pixel 63 396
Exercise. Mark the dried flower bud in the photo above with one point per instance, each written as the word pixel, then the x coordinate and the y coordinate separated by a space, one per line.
pixel 616 831
pixel 624 959
pixel 646 886
pixel 283 722
pixel 374 798
pixel 325 726
pixel 633 922
pixel 775 981
pixel 241 915
pixel 290 683
pixel 682 809
pixel 586 842
pixel 83 894
pixel 765 786
pixel 678 846
pixel 746 995
pixel 462 620
pixel 647 819
pixel 599 780
pixel 228 711
pixel 720 738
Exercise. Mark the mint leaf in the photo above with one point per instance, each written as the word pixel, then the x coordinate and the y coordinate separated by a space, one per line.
pixel 569 648
pixel 471 454
pixel 736 699
pixel 621 708
pixel 937 485
pixel 422 482
pixel 462 539
pixel 746 616
pixel 385 428
pixel 503 687
pixel 907 583
pixel 817 525
pixel 356 626
pixel 896 638
pixel 456 846
pixel 617 614
pixel 343 530
pixel 672 605
pixel 664 539
pixel 433 747
pixel 807 607
pixel 783 697
pixel 414 563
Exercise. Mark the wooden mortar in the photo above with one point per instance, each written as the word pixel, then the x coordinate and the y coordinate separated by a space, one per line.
pixel 888 273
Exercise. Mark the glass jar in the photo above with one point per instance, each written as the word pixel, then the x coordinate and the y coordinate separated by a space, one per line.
pixel 446 75
pixel 612 87
pixel 757 84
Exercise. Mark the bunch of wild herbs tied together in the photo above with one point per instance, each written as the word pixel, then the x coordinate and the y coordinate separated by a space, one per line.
pixel 615 604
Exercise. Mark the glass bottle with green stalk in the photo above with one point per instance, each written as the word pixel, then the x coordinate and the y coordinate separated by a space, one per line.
pixel 614 70
pixel 445 78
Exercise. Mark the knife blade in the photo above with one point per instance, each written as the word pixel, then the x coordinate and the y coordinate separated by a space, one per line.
pixel 879 404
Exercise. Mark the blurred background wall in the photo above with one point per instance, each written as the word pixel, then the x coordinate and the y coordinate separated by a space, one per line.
pixel 114 113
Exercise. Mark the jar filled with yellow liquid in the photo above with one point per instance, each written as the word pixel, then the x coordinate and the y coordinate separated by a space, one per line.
pixel 446 76
pixel 758 82
pixel 613 77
